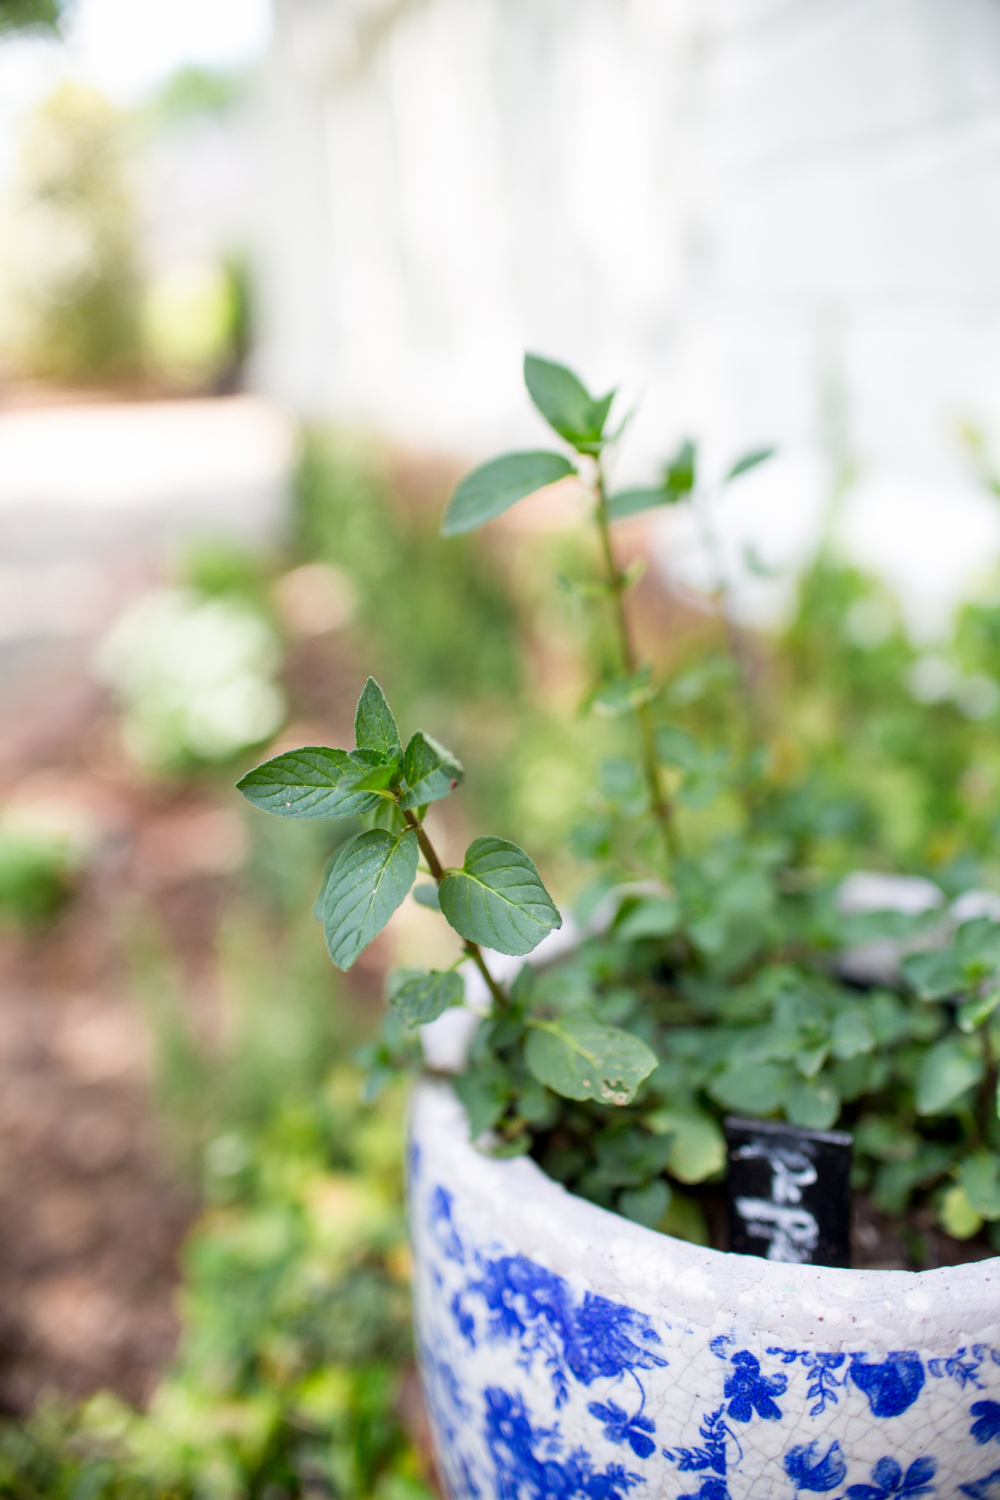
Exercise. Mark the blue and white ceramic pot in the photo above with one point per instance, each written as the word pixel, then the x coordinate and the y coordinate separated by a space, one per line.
pixel 568 1354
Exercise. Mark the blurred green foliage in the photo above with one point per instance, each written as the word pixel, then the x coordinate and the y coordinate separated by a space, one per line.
pixel 36 874
pixel 437 622
pixel 296 1350
pixel 295 1355
pixel 296 1341
pixel 71 245
pixel 907 741
pixel 29 15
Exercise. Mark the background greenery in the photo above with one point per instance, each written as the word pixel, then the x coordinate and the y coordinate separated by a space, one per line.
pixel 294 1374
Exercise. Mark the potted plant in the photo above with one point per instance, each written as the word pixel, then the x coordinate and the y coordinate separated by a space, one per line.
pixel 578 1334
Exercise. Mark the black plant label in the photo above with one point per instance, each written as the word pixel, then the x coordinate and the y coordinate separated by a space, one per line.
pixel 789 1192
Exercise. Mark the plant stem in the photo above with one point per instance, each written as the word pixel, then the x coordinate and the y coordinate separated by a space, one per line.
pixel 436 868
pixel 658 799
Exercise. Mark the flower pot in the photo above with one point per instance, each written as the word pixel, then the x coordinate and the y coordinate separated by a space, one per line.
pixel 567 1352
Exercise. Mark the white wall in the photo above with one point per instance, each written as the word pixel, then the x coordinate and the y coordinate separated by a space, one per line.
pixel 772 219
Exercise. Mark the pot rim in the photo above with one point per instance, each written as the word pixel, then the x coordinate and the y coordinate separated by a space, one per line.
pixel 544 1221
pixel 445 1041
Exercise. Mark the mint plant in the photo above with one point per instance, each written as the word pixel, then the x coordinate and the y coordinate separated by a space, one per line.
pixel 712 981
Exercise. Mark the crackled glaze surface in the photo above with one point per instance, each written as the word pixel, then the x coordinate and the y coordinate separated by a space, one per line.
pixel 569 1355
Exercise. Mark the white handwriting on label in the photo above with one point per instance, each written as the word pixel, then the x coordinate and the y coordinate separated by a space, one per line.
pixel 792 1231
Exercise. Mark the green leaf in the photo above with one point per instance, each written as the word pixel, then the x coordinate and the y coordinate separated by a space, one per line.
pixel 812 1103
pixel 497 898
pixel 374 727
pixel 427 895
pixel 630 1157
pixel 371 877
pixel 885 1139
pixel 651 917
pixel 421 997
pixel 752 1088
pixel 314 782
pixel 387 815
pixel 685 1220
pixel 494 487
pixel 679 475
pixel 933 976
pixel 645 1205
pixel 484 1090
pixel 579 1057
pixel 851 1034
pixel 431 772
pixel 947 1070
pixel 896 1180
pixel 978 1009
pixel 980 1177
pixel 631 502
pixel 957 1215
pixel 977 945
pixel 676 747
pixel 379 778
pixel 565 403
pixel 623 695
pixel 749 461
pixel 697 1148
pixel 809 1060
pixel 324 878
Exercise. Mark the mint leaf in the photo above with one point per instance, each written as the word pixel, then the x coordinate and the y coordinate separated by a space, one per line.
pixel 978 1009
pixel 494 487
pixel 369 880
pixel 851 1034
pixel 753 1088
pixel 374 727
pixel 749 461
pixel 577 1056
pixel 484 1090
pixel 565 403
pixel 624 694
pixel 947 1070
pixel 427 895
pixel 378 778
pixel 933 976
pixel 697 1147
pixel 677 747
pixel 497 898
pixel 421 997
pixel 980 1177
pixel 957 1215
pixel 649 917
pixel 631 502
pixel 812 1103
pixel 314 782
pixel 679 475
pixel 645 1205
pixel 431 771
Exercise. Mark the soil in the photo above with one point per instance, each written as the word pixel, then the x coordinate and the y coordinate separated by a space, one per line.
pixel 92 1211
pixel 93 1207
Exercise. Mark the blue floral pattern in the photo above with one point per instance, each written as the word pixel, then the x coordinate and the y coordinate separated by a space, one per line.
pixel 810 1469
pixel 621 1428
pixel 964 1364
pixel 823 1381
pixel 986 1427
pixel 542 1389
pixel 888 1480
pixel 527 1462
